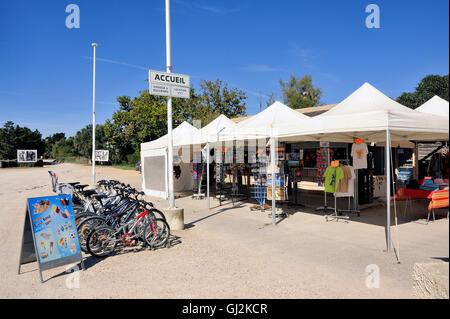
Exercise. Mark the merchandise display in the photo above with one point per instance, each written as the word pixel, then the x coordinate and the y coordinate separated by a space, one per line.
pixel 359 154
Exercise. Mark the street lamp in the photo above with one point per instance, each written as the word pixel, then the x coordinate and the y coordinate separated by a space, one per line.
pixel 94 45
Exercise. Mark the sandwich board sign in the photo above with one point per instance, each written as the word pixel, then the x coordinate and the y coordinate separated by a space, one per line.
pixel 26 156
pixel 169 84
pixel 101 155
pixel 50 235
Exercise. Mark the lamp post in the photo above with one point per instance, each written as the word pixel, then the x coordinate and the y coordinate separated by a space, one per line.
pixel 94 45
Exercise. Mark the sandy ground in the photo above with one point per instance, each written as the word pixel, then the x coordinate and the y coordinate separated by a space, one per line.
pixel 223 253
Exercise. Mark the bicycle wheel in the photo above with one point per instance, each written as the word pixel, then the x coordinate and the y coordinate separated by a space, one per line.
pixel 102 241
pixel 85 227
pixel 158 213
pixel 156 232
pixel 79 217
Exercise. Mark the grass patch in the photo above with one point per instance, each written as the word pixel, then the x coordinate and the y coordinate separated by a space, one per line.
pixel 130 167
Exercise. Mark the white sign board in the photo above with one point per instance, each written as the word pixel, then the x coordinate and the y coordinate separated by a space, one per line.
pixel 169 84
pixel 324 144
pixel 26 156
pixel 101 155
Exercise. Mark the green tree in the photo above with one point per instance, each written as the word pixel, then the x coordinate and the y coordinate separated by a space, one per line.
pixel 82 141
pixel 144 118
pixel 216 98
pixel 428 87
pixel 50 141
pixel 63 148
pixel 300 93
pixel 13 138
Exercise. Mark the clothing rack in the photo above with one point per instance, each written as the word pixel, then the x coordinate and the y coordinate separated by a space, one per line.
pixel 325 207
pixel 337 214
pixel 355 209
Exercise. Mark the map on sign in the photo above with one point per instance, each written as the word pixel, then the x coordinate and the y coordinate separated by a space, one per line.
pixel 169 84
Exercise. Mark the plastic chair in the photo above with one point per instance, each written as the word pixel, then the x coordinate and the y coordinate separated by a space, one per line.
pixel 439 199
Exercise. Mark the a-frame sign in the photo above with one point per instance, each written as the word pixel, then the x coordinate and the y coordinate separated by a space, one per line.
pixel 50 235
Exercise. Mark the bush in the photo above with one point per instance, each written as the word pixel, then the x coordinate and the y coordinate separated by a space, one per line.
pixel 13 163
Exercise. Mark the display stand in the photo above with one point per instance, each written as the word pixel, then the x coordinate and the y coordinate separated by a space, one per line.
pixel 259 190
pixel 350 210
pixel 236 187
pixel 325 207
pixel 336 214
pixel 282 195
pixel 201 169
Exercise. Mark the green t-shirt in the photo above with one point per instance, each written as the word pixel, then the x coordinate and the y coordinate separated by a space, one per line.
pixel 332 177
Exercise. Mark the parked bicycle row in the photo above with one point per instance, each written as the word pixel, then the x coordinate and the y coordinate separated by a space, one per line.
pixel 112 216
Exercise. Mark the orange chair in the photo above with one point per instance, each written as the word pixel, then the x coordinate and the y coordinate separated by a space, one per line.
pixel 439 199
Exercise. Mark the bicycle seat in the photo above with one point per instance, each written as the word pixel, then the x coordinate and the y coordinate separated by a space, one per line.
pixel 89 192
pixel 74 183
pixel 99 197
pixel 81 187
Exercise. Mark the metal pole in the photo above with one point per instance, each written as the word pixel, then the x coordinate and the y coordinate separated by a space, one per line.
pixel 93 119
pixel 169 112
pixel 272 159
pixel 388 191
pixel 207 175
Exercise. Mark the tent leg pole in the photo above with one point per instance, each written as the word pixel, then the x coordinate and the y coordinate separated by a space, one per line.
pixel 207 176
pixel 272 155
pixel 388 191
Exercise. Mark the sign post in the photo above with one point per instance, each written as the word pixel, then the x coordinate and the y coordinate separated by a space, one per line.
pixel 50 236
pixel 170 85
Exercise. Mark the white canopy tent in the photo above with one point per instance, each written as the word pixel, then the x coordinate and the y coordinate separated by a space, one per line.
pixel 154 162
pixel 369 114
pixel 266 123
pixel 261 126
pixel 436 106
pixel 210 132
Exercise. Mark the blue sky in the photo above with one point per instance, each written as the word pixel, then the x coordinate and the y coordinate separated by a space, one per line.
pixel 46 68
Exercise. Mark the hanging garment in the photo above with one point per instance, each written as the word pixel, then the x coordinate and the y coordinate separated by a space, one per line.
pixel 344 182
pixel 351 185
pixel 359 155
pixel 332 177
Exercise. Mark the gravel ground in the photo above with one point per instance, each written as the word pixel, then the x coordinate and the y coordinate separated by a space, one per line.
pixel 223 253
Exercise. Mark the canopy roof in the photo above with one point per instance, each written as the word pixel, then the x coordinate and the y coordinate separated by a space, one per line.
pixel 265 122
pixel 183 134
pixel 210 131
pixel 367 113
pixel 436 106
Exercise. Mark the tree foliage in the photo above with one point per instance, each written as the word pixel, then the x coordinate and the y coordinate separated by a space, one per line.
pixel 428 87
pixel 300 93
pixel 82 141
pixel 13 138
pixel 144 118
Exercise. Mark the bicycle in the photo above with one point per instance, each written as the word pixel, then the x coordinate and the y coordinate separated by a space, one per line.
pixel 154 232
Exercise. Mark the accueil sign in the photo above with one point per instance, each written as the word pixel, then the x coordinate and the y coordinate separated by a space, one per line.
pixel 169 84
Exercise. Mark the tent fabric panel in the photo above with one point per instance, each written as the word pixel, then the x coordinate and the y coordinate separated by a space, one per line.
pixel 154 177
